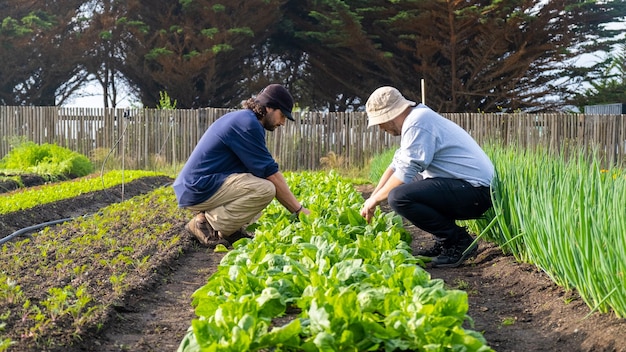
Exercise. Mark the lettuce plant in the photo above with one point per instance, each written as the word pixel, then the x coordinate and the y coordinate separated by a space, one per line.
pixel 348 285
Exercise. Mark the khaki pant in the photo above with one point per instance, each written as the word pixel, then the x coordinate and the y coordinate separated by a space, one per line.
pixel 237 203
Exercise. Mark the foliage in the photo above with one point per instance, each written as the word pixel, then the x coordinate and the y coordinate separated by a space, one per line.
pixel 196 50
pixel 28 198
pixel 564 217
pixel 165 102
pixel 610 86
pixel 42 60
pixel 355 286
pixel 473 55
pixel 46 159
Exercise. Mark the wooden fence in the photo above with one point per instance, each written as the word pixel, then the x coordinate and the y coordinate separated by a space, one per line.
pixel 145 138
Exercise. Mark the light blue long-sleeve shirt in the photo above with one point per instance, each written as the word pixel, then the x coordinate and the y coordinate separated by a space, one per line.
pixel 434 146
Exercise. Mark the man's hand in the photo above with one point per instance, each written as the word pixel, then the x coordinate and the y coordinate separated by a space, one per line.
pixel 367 211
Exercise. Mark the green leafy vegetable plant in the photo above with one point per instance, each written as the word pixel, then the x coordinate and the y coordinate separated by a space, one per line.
pixel 28 198
pixel 69 276
pixel 46 159
pixel 354 286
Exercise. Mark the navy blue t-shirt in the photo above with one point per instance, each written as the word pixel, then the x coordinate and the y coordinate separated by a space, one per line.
pixel 234 143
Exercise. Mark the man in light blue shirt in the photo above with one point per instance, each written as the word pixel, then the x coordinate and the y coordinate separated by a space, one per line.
pixel 437 176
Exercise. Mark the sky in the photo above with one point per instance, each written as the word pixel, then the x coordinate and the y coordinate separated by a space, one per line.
pixel 92 97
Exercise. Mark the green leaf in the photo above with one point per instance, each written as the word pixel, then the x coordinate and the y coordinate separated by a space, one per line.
pixel 319 318
pixel 220 248
pixel 325 342
pixel 271 303
pixel 287 335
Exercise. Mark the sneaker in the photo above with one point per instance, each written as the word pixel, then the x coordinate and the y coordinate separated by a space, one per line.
pixel 453 257
pixel 203 232
pixel 431 251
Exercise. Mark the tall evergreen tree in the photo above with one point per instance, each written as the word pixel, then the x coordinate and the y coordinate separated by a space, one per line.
pixel 610 86
pixel 344 61
pixel 40 63
pixel 104 40
pixel 194 49
pixel 473 55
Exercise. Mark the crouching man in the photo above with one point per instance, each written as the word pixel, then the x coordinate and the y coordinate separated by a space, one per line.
pixel 438 175
pixel 230 176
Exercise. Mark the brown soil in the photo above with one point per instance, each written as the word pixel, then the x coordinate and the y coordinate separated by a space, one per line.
pixel 7 183
pixel 515 306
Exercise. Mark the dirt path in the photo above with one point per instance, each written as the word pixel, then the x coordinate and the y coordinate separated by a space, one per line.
pixel 157 318
pixel 517 308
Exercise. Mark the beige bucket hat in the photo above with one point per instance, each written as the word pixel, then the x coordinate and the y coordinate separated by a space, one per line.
pixel 385 104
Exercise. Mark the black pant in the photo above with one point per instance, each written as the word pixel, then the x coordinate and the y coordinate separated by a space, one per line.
pixel 434 205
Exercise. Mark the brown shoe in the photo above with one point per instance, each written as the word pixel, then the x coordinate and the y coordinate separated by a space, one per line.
pixel 204 233
pixel 237 235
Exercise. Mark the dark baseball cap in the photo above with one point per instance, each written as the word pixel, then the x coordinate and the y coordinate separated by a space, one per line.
pixel 276 96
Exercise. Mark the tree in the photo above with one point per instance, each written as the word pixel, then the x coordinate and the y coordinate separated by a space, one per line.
pixel 105 41
pixel 610 86
pixel 343 63
pixel 194 49
pixel 473 55
pixel 37 52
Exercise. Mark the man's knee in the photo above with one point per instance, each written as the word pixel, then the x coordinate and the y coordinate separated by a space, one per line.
pixel 393 199
pixel 267 190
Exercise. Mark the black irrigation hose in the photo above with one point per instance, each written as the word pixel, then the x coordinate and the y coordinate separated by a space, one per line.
pixel 32 228
pixel 28 229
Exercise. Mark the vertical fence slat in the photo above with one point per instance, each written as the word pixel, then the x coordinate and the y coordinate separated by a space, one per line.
pixel 148 136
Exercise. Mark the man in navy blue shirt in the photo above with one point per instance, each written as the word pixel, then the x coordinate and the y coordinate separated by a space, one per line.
pixel 230 176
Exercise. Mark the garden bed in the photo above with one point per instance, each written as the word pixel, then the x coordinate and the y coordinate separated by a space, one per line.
pixel 9 183
pixel 515 306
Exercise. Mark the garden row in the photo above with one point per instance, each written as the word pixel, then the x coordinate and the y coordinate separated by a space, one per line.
pixel 568 217
pixel 327 282
pixel 28 197
pixel 63 283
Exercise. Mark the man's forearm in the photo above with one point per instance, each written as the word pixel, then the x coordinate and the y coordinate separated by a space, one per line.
pixel 283 193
